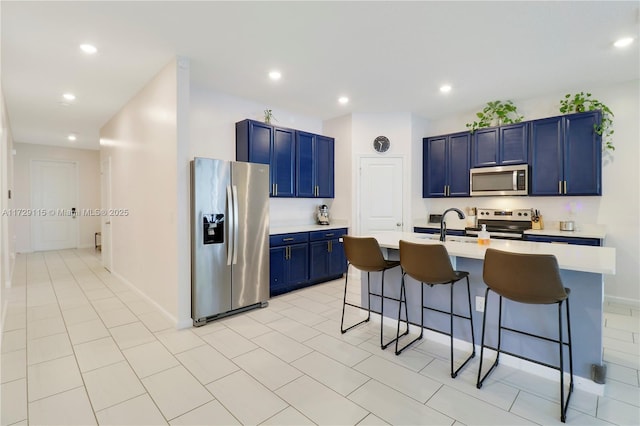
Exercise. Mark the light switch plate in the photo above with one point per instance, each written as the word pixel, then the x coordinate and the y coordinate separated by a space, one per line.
pixel 479 304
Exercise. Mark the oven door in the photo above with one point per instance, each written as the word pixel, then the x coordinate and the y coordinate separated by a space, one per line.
pixel 495 234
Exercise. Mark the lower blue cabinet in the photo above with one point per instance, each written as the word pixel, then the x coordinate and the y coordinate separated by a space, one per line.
pixel 563 240
pixel 304 258
pixel 328 260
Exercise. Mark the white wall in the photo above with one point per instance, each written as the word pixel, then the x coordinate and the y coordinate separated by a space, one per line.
pixel 618 208
pixel 212 134
pixel 341 129
pixel 88 162
pixel 7 222
pixel 142 140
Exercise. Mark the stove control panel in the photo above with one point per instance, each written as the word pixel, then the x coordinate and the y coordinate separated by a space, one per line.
pixel 508 215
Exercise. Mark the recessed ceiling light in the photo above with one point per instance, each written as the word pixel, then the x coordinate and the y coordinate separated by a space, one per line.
pixel 69 96
pixel 72 137
pixel 623 42
pixel 445 88
pixel 343 100
pixel 275 75
pixel 89 49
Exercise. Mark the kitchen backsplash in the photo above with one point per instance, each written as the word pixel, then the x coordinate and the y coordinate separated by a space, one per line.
pixel 582 210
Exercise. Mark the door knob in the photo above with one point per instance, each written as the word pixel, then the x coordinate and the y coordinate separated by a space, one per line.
pixel 399 224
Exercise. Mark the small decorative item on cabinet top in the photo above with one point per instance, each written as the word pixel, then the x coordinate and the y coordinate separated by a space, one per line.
pixel 268 116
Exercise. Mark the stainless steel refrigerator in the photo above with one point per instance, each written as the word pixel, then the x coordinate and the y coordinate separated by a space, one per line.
pixel 229 237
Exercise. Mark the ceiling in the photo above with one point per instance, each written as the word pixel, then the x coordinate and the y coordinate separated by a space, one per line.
pixel 385 56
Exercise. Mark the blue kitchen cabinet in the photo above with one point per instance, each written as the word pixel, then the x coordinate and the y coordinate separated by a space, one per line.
pixel 258 142
pixel 446 161
pixel 566 155
pixel 500 146
pixel 288 261
pixel 563 240
pixel 314 165
pixel 327 258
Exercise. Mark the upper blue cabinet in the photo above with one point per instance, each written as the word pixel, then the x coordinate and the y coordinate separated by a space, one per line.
pixel 566 155
pixel 445 170
pixel 301 163
pixel 500 146
pixel 315 165
pixel 258 142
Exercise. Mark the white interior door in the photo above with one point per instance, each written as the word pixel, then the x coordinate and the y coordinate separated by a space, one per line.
pixel 105 183
pixel 54 203
pixel 381 194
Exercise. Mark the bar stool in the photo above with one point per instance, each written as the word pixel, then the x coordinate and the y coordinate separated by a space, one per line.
pixel 364 254
pixel 532 279
pixel 430 264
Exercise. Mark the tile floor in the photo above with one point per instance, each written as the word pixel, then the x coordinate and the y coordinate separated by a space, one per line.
pixel 79 347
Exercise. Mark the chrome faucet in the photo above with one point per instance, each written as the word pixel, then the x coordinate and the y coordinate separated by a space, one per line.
pixel 443 224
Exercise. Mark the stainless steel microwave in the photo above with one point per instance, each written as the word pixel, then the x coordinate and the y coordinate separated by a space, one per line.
pixel 500 180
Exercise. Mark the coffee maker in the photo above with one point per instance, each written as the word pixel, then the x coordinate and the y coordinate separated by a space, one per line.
pixel 323 215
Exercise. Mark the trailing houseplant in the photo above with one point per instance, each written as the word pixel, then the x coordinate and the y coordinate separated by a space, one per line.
pixel 581 102
pixel 496 113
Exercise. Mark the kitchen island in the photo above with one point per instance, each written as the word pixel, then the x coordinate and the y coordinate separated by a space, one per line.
pixel 582 270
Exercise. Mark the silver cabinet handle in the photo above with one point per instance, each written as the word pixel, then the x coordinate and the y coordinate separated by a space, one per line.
pixel 565 186
pixel 559 187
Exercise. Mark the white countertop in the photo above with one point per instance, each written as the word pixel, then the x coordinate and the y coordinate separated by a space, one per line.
pixel 287 229
pixel 600 260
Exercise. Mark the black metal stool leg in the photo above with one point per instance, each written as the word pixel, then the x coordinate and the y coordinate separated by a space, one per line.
pixel 454 373
pixel 344 304
pixel 484 327
pixel 399 351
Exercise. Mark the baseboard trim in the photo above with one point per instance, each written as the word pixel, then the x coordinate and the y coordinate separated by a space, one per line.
pixel 622 300
pixel 174 320
pixel 579 382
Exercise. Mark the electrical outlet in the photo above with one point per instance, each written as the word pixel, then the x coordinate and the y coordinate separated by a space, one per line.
pixel 479 304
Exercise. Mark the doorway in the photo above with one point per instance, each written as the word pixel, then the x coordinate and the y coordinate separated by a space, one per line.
pixel 381 194
pixel 54 205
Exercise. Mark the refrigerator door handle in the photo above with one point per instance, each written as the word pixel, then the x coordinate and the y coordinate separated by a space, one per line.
pixel 235 224
pixel 231 218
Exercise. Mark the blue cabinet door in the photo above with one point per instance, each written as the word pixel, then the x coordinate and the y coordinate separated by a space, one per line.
pixel 513 146
pixel 445 165
pixel 485 147
pixel 500 146
pixel 288 268
pixel 434 167
pixel 546 154
pixel 298 264
pixel 283 162
pixel 324 166
pixel 305 146
pixel 319 263
pixel 566 155
pixel 337 258
pixel 277 270
pixel 582 154
pixel 314 165
pixel 459 148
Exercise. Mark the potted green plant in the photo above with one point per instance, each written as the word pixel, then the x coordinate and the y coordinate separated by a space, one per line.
pixel 268 116
pixel 581 102
pixel 496 113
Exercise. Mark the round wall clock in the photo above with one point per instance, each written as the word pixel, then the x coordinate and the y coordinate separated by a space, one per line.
pixel 381 144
